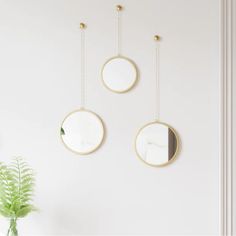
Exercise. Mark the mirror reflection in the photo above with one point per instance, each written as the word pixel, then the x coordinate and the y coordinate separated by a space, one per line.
pixel 119 74
pixel 82 131
pixel 157 144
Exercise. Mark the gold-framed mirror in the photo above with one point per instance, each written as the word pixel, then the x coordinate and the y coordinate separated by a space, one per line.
pixel 157 144
pixel 82 131
pixel 119 73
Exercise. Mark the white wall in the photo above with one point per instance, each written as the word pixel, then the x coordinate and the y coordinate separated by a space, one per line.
pixel 112 192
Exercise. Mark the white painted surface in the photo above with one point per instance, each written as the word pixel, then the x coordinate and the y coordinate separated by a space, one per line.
pixel 112 192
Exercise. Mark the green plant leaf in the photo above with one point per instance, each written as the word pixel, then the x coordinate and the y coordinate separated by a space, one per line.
pixel 16 189
pixel 25 210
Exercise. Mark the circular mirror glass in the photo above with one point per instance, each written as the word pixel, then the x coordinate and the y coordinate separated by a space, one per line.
pixel 119 74
pixel 157 144
pixel 82 131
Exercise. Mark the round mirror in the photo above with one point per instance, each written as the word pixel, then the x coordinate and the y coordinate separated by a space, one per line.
pixel 119 74
pixel 82 131
pixel 157 144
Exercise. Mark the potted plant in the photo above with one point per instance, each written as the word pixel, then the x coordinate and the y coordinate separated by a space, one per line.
pixel 16 192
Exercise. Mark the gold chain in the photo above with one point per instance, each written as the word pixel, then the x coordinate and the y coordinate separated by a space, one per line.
pixel 157 75
pixel 82 79
pixel 119 9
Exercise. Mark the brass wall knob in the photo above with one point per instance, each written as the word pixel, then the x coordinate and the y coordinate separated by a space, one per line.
pixel 82 26
pixel 157 38
pixel 119 8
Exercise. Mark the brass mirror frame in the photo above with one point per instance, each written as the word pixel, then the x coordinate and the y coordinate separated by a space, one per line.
pixel 136 70
pixel 177 146
pixel 103 137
